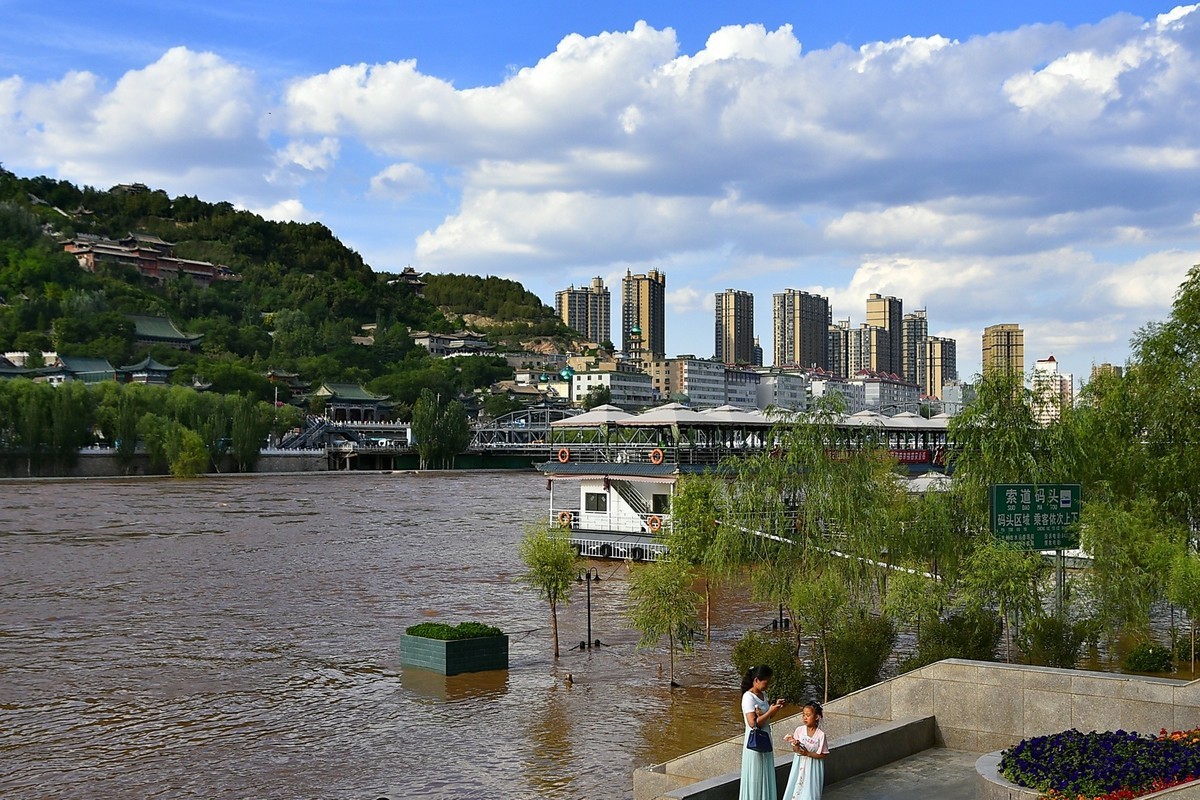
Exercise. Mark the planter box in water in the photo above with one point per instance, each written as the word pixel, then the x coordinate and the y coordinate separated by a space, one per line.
pixel 452 656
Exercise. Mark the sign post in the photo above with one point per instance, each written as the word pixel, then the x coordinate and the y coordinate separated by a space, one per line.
pixel 1039 517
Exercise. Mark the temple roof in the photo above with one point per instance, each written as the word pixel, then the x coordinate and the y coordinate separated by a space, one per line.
pixel 80 364
pixel 148 364
pixel 148 327
pixel 348 391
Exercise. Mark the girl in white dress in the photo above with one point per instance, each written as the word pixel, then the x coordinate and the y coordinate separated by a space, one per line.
pixel 807 778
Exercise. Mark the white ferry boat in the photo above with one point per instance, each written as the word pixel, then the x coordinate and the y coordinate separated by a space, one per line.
pixel 613 475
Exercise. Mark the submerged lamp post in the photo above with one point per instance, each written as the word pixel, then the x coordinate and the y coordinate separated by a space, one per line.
pixel 589 575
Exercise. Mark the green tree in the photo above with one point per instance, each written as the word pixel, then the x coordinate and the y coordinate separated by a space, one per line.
pixel 998 575
pixel 1183 589
pixel 186 454
pixel 597 396
pixel 693 530
pixel 1132 550
pixel 551 566
pixel 663 603
pixel 248 430
pixel 820 606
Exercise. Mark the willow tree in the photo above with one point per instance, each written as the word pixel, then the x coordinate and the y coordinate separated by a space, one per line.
pixel 691 536
pixel 1183 589
pixel 551 565
pixel 663 603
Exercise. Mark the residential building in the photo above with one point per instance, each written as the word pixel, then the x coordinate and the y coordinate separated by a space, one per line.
pixel 757 360
pixel 801 327
pixel 887 392
pixel 1105 369
pixel 852 350
pixel 853 394
pixel 643 306
pixel 887 313
pixel 734 327
pixel 699 381
pixel 629 390
pixel 1004 350
pixel 786 389
pixel 741 387
pixel 940 364
pixel 586 310
pixel 1052 390
pixel 915 331
pixel 955 396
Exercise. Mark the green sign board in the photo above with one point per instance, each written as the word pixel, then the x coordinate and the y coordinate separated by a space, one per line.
pixel 1036 516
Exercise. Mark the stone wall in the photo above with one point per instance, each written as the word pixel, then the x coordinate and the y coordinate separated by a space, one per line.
pixel 978 706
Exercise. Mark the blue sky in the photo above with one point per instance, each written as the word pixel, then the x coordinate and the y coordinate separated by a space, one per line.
pixel 1021 162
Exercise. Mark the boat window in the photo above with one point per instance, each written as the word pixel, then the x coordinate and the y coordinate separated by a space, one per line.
pixel 661 504
pixel 595 501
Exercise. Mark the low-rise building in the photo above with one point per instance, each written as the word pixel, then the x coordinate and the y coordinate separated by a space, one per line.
pixel 786 389
pixel 887 392
pixel 629 390
pixel 741 387
pixel 442 345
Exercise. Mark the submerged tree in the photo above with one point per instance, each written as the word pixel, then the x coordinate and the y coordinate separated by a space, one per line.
pixel 550 568
pixel 663 603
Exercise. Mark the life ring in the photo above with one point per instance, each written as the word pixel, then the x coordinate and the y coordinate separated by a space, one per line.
pixel 656 456
pixel 564 519
pixel 654 523
pixel 564 455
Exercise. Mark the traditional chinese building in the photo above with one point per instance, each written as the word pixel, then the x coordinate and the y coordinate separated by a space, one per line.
pixel 350 402
pixel 146 371
pixel 160 330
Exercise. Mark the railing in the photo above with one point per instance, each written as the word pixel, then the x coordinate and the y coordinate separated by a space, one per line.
pixel 647 524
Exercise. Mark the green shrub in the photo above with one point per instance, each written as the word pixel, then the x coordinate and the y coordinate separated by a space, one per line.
pixel 777 652
pixel 1149 658
pixel 961 635
pixel 1183 648
pixel 858 649
pixel 1051 642
pixel 445 632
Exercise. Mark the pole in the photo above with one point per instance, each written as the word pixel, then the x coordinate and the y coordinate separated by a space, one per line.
pixel 589 608
pixel 1060 578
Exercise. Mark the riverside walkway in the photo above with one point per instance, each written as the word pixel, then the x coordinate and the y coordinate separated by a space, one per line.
pixel 934 773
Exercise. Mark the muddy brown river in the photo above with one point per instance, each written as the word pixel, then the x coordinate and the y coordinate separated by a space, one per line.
pixel 239 637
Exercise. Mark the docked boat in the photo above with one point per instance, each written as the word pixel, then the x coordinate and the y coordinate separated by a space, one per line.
pixel 613 474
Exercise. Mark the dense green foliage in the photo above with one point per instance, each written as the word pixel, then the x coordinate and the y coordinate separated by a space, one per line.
pixel 445 632
pixel 551 566
pixel 1149 658
pixel 662 603
pixel 301 297
pixel 42 427
pixel 778 653
pixel 441 430
pixel 858 648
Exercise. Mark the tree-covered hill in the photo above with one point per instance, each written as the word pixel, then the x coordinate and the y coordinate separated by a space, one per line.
pixel 300 298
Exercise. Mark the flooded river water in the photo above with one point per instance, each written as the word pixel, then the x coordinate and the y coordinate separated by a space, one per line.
pixel 239 637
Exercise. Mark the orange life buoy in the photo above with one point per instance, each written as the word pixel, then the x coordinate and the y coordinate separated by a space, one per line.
pixel 654 523
pixel 564 519
pixel 656 456
pixel 564 455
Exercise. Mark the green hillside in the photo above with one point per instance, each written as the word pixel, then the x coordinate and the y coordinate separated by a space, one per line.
pixel 300 297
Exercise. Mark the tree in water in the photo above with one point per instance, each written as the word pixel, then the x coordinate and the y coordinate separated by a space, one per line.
pixel 663 603
pixel 551 566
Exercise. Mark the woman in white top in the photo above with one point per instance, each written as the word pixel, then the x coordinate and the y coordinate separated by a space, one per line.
pixel 758 769
pixel 807 778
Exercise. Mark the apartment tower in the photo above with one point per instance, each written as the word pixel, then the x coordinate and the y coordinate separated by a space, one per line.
pixel 734 327
pixel 888 313
pixel 1004 350
pixel 916 331
pixel 940 365
pixel 802 323
pixel 586 310
pixel 643 303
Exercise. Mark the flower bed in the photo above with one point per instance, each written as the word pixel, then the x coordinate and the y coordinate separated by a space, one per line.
pixel 1115 765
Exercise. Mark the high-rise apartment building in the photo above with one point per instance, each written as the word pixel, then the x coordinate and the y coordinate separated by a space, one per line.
pixel 887 313
pixel 1004 350
pixel 1105 369
pixel 1052 390
pixel 643 306
pixel 940 365
pixel 915 331
pixel 734 328
pixel 587 310
pixel 853 349
pixel 801 329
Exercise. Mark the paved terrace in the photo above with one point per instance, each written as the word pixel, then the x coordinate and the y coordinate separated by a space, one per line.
pixel 919 734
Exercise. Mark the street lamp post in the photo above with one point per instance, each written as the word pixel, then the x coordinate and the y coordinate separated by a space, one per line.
pixel 589 575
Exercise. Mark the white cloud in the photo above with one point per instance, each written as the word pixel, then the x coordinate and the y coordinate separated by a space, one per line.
pixel 400 181
pixel 290 210
pixel 312 156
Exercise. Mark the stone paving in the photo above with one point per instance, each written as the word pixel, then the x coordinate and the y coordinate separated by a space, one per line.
pixel 933 774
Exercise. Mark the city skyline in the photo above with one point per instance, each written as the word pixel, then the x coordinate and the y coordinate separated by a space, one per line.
pixel 851 149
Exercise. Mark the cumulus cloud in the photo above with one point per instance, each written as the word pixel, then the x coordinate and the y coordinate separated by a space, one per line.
pixel 400 181
pixel 1030 173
